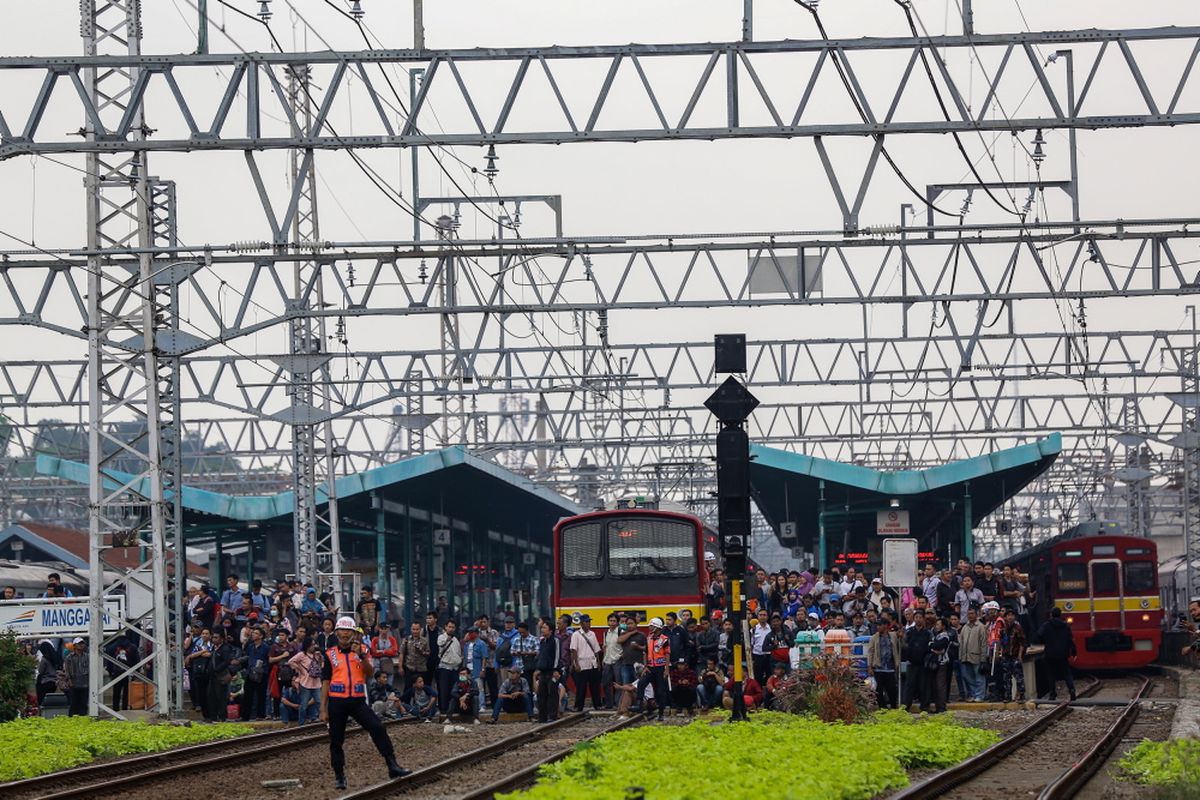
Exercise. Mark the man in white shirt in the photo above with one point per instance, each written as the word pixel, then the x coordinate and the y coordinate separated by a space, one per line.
pixel 849 582
pixel 585 662
pixel 610 669
pixel 760 657
pixel 824 587
pixel 876 594
pixel 929 584
pixel 968 597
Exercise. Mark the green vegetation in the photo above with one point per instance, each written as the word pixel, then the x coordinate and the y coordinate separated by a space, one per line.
pixel 16 677
pixel 1174 766
pixel 35 746
pixel 760 759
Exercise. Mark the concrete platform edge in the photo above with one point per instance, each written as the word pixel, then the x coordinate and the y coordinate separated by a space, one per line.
pixel 1187 713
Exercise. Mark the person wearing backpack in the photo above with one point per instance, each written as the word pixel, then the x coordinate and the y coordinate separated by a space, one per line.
pixel 75 665
pixel 48 665
pixel 123 654
pixel 281 674
pixel 254 701
pixel 450 658
pixel 505 657
pixel 414 655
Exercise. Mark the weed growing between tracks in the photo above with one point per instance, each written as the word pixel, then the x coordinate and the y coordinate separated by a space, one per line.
pixel 1174 766
pixel 35 746
pixel 856 761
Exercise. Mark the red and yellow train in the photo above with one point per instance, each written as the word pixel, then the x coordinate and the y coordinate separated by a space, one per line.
pixel 644 560
pixel 1106 584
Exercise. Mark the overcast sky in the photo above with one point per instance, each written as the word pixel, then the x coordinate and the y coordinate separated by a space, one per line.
pixel 624 188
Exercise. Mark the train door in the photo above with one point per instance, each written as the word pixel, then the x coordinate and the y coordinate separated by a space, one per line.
pixel 1104 584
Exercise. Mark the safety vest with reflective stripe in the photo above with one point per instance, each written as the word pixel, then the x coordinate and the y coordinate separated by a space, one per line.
pixel 348 673
pixel 660 651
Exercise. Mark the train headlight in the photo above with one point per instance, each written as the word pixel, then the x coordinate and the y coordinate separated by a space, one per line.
pixel 1070 620
pixel 1145 617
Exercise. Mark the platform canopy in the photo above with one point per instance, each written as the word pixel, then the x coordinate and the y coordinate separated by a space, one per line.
pixel 447 523
pixel 939 506
pixel 451 482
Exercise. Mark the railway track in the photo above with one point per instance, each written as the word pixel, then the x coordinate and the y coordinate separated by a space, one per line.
pixel 1081 737
pixel 92 779
pixel 524 745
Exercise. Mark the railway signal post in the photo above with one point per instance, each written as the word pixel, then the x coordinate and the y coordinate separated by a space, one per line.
pixel 731 404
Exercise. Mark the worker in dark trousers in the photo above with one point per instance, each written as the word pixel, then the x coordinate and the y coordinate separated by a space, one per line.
pixel 344 697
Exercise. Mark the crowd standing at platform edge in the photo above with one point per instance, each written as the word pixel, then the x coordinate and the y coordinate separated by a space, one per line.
pixel 260 653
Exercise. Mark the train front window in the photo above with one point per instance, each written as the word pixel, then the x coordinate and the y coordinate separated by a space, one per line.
pixel 1105 578
pixel 1072 577
pixel 651 548
pixel 579 546
pixel 1139 577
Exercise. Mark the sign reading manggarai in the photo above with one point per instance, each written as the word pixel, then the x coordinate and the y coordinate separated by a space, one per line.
pixel 70 616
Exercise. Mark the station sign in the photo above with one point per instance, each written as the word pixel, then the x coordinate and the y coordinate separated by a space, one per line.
pixel 892 522
pixel 57 617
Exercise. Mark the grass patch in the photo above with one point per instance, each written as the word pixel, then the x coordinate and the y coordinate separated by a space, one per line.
pixel 758 759
pixel 35 746
pixel 1173 766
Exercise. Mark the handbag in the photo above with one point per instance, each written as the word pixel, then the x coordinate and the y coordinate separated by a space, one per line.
pixel 932 661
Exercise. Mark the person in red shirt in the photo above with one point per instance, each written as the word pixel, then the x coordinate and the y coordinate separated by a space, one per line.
pixel 384 649
pixel 752 693
pixel 774 684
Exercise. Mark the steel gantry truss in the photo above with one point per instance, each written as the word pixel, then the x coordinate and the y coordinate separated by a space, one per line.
pixel 127 305
pixel 735 92
pixel 969 338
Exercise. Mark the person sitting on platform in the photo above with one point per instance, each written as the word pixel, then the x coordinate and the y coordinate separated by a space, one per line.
pixel 419 700
pixel 683 687
pixel 514 696
pixel 463 697
pixel 752 693
pixel 383 699
pixel 711 685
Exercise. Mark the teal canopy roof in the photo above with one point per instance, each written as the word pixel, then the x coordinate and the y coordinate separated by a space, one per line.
pixel 787 486
pixel 451 481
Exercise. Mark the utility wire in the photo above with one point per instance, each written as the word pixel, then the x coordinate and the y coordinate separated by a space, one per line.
pixel 833 55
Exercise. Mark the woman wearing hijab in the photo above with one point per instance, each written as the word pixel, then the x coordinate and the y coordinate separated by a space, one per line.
pixel 48 665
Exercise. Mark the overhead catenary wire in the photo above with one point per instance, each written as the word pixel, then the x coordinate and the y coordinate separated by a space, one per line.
pixel 883 151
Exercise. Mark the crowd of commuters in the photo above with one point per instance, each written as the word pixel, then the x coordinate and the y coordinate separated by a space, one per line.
pixel 958 632
pixel 258 653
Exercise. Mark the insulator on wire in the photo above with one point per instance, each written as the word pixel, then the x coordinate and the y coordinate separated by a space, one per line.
pixel 490 169
pixel 1039 154
pixel 356 10
pixel 264 10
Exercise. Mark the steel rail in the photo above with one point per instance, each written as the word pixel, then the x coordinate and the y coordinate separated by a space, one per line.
pixel 100 768
pixel 940 782
pixel 527 775
pixel 438 770
pixel 124 779
pixel 1073 778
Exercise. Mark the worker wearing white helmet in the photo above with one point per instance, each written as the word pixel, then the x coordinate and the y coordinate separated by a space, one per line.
pixel 658 657
pixel 344 678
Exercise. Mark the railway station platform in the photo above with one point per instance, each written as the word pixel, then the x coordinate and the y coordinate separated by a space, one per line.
pixel 443 524
pixel 836 513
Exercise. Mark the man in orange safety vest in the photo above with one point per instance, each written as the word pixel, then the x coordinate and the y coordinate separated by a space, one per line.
pixel 344 679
